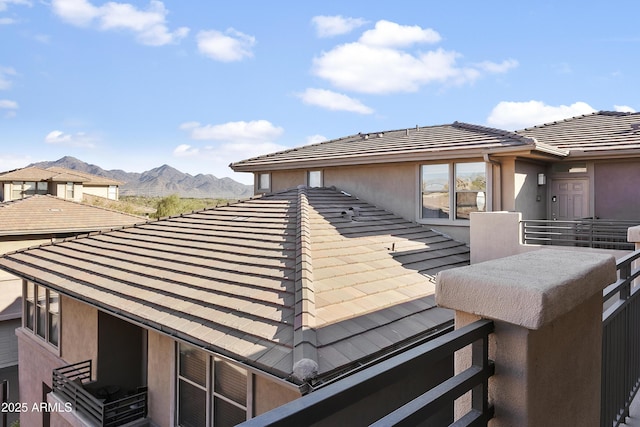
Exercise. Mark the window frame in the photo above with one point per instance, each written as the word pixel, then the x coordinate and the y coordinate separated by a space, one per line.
pixel 33 310
pixel 259 183
pixel 320 173
pixel 211 394
pixel 452 168
pixel 69 190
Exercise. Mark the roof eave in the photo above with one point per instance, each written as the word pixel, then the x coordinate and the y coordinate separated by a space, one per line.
pixel 417 156
pixel 604 154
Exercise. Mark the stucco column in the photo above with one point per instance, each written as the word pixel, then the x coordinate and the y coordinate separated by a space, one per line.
pixel 633 235
pixel 547 344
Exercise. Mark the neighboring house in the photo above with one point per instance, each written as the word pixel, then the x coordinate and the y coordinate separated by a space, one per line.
pixel 587 166
pixel 600 176
pixel 61 182
pixel 37 220
pixel 220 315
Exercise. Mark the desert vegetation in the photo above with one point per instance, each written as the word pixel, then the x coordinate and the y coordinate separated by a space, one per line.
pixel 154 207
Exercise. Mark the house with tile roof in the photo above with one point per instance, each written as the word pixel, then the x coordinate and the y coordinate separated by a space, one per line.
pixel 436 175
pixel 32 221
pixel 223 314
pixel 60 182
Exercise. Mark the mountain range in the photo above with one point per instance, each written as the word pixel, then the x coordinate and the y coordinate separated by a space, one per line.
pixel 161 181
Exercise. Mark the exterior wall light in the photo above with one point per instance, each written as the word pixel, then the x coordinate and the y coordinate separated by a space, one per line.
pixel 542 179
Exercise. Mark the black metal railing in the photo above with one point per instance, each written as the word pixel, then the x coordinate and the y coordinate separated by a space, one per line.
pixel 315 407
pixel 591 233
pixel 69 384
pixel 620 343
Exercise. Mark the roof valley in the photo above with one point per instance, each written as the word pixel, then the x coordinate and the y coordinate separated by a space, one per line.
pixel 305 343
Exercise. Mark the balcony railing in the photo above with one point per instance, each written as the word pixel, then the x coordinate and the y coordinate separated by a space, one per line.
pixel 315 408
pixel 591 233
pixel 621 343
pixel 70 384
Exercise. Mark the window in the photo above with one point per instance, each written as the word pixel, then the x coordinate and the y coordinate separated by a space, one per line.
pixel 453 190
pixel 264 182
pixel 435 191
pixel 211 390
pixel 471 188
pixel 42 187
pixel 42 312
pixel 314 178
pixel 69 194
pixel 20 189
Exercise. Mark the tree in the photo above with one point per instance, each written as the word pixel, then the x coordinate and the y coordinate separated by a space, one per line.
pixel 168 206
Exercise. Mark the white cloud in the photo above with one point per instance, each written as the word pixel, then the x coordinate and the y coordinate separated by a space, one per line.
pixel 518 115
pixel 10 108
pixel 498 68
pixel 329 26
pixel 10 162
pixel 148 25
pixel 333 101
pixel 80 139
pixel 185 150
pixel 234 141
pixel 4 4
pixel 8 105
pixel 390 34
pixel 5 72
pixel 315 139
pixel 7 21
pixel 254 131
pixel 379 62
pixel 226 47
pixel 216 158
pixel 624 109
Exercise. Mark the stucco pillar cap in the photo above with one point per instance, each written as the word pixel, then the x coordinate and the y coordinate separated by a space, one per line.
pixel 530 289
pixel 633 234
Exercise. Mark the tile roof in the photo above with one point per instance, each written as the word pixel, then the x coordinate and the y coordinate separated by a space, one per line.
pixel 88 179
pixel 44 214
pixel 55 173
pixel 267 281
pixel 592 134
pixel 453 140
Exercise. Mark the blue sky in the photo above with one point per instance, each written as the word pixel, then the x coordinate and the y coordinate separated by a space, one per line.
pixel 199 84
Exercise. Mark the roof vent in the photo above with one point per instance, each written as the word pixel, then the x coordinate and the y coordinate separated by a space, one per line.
pixel 635 127
pixel 355 210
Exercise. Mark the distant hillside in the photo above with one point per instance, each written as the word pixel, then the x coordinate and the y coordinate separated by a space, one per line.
pixel 161 181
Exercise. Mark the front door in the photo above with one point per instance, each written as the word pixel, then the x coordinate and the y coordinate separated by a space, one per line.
pixel 570 199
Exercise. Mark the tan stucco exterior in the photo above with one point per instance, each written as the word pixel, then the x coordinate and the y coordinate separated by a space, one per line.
pixel 269 394
pixel 546 373
pixel 391 186
pixel 37 360
pixel 78 329
pixel 161 378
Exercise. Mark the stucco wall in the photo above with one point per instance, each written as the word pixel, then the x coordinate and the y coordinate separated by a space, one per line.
pixel 100 191
pixel 530 198
pixel 160 378
pixel 284 180
pixel 392 187
pixel 269 394
pixel 79 332
pixel 36 364
pixel 617 190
